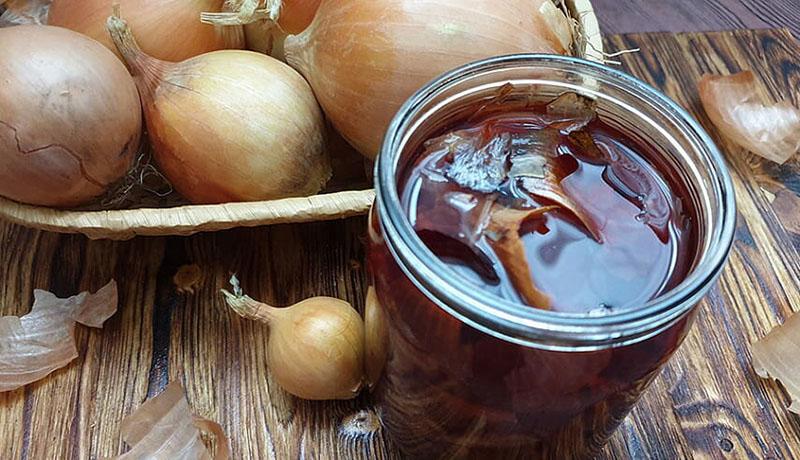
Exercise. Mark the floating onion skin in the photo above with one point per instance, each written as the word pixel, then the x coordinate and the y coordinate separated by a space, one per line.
pixel 365 58
pixel 169 30
pixel 229 125
pixel 316 347
pixel 70 117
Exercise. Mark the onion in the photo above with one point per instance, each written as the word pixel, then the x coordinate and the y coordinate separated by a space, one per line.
pixel 70 118
pixel 365 58
pixel 166 29
pixel 293 16
pixel 229 125
pixel 376 338
pixel 316 347
pixel 733 104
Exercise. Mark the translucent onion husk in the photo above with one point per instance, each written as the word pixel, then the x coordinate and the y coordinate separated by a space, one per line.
pixel 165 428
pixel 365 58
pixel 41 342
pixel 734 105
pixel 21 12
pixel 776 357
pixel 230 125
pixel 70 117
pixel 165 29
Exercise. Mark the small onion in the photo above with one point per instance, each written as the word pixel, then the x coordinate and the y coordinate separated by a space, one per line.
pixel 365 58
pixel 229 125
pixel 166 29
pixel 316 347
pixel 70 117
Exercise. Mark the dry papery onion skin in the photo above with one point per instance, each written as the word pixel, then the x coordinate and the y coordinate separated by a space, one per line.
pixel 20 12
pixel 70 117
pixel 165 428
pixel 230 125
pixel 365 58
pixel 777 356
pixel 169 30
pixel 41 342
pixel 290 16
pixel 316 347
pixel 735 107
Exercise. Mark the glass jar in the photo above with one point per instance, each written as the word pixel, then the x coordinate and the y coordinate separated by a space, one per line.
pixel 468 374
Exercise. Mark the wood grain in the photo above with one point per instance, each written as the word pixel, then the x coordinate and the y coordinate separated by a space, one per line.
pixel 628 16
pixel 708 403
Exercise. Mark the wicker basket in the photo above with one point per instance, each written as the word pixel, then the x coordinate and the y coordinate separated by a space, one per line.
pixel 187 220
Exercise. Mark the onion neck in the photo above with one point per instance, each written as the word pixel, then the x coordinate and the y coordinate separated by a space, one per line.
pixel 248 308
pixel 148 70
pixel 243 12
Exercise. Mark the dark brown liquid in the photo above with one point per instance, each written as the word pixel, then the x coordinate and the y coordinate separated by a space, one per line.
pixel 624 233
pixel 647 235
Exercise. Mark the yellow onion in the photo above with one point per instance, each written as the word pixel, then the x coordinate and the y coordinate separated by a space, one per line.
pixel 316 347
pixel 70 118
pixel 166 29
pixel 229 125
pixel 365 58
pixel 376 338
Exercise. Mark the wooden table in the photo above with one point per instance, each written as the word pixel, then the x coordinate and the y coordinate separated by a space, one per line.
pixel 629 16
pixel 708 403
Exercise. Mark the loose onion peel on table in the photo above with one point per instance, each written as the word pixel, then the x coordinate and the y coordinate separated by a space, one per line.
pixel 777 357
pixel 734 105
pixel 35 345
pixel 316 347
pixel 187 279
pixel 165 428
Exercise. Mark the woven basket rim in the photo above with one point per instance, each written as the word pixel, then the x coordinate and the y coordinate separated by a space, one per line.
pixel 190 219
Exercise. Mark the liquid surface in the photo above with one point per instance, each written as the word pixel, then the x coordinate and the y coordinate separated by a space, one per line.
pixel 551 207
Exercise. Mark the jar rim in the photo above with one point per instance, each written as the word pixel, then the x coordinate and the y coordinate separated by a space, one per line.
pixel 519 323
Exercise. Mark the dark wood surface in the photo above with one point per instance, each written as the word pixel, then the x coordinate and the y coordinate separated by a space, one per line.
pixel 629 16
pixel 708 403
